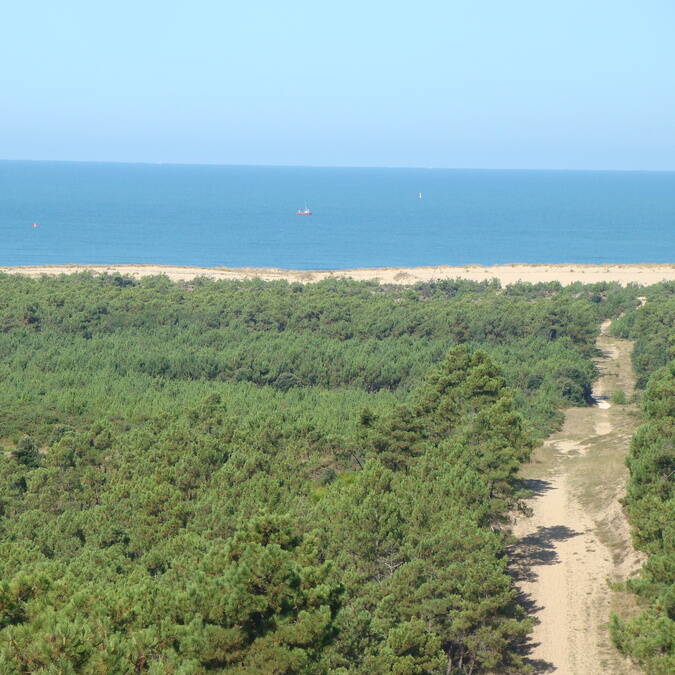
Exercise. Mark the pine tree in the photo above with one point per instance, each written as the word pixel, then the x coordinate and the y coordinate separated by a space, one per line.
pixel 26 452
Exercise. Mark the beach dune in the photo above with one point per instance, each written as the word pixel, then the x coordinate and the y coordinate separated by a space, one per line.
pixel 643 274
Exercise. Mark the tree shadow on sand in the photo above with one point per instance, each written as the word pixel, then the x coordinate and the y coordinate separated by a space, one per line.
pixel 528 553
pixel 535 486
pixel 537 549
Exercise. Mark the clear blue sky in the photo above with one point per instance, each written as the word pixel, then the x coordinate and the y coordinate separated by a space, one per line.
pixel 447 83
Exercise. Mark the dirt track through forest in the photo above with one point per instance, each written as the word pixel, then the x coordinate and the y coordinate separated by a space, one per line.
pixel 577 537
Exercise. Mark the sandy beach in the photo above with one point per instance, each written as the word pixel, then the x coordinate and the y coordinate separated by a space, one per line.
pixel 644 274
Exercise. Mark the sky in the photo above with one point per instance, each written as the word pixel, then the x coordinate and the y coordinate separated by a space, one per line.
pixel 559 84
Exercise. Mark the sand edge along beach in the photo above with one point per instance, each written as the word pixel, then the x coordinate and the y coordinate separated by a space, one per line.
pixel 644 273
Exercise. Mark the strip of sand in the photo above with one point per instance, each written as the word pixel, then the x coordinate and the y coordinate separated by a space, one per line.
pixel 577 536
pixel 643 274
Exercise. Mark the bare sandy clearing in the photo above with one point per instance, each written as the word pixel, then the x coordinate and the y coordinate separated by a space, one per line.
pixel 644 274
pixel 577 537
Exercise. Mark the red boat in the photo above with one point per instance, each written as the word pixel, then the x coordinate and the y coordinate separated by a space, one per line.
pixel 303 212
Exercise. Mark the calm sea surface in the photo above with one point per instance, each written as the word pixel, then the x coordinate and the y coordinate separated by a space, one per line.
pixel 245 216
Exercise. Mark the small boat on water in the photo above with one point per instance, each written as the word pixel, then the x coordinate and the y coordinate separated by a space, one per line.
pixel 303 212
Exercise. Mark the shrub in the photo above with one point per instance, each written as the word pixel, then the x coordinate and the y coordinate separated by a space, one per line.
pixel 618 397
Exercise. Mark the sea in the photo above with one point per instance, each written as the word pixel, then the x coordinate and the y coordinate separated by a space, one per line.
pixel 243 216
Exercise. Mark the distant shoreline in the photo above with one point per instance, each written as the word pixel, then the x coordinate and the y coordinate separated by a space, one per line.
pixel 642 273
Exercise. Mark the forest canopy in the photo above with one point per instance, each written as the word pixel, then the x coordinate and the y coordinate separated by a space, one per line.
pixel 276 478
pixel 649 638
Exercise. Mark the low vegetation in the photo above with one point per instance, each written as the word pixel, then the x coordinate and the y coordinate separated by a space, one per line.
pixel 618 397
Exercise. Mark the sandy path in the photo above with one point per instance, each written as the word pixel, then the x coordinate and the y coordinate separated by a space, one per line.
pixel 578 537
pixel 507 274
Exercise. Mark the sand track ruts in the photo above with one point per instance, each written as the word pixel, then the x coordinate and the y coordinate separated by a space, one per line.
pixel 644 274
pixel 577 537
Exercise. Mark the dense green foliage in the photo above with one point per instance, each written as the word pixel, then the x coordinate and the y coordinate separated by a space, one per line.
pixel 652 327
pixel 273 478
pixel 650 637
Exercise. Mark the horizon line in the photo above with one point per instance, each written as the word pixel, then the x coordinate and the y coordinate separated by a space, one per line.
pixel 328 166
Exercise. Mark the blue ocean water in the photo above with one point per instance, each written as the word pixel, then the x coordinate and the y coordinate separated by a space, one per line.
pixel 245 216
